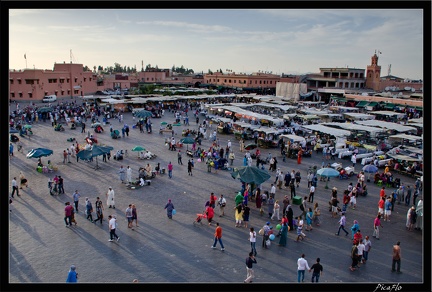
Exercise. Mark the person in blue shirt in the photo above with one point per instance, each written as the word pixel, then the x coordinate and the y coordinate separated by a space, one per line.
pixel 72 275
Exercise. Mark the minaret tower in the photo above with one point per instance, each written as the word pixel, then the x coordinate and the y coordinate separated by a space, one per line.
pixel 373 73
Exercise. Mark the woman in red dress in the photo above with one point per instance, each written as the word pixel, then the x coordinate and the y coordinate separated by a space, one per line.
pixel 299 156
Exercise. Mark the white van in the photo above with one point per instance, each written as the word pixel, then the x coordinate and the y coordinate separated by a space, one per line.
pixel 49 98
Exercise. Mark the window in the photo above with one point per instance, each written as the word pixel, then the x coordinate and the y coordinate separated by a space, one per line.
pixel 30 95
pixel 61 80
pixel 20 94
pixel 11 81
pixel 12 94
pixel 76 91
pixel 67 80
pixel 19 81
pixel 62 92
pixel 90 79
pixel 29 81
pixel 76 80
pixel 85 79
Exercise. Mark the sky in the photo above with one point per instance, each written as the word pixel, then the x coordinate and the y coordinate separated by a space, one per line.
pixel 289 41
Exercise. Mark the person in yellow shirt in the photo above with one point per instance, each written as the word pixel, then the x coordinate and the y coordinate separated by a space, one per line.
pixel 386 169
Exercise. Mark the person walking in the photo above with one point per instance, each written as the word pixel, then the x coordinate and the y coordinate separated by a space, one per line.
pixel 387 209
pixel 60 185
pixel 99 210
pixel 128 213
pixel 397 256
pixel 222 204
pixel 367 248
pixel 302 265
pixel 354 256
pixel 68 214
pixel 266 230
pixel 342 222
pixel 189 167
pixel 309 218
pixel 311 194
pixel 179 157
pixel 23 181
pixel 300 233
pixel 72 276
pixel 252 239
pixel 129 174
pixel 317 270
pixel 15 187
pixel 283 233
pixel 377 225
pixel 249 269
pixel 354 228
pixel 170 169
pixel 169 207
pixel 218 237
pixel 134 215
pixel 316 215
pixel 122 172
pixel 276 209
pixel 11 149
pixel 112 228
pixel 76 197
pixel 110 198
pixel 65 155
pixel 89 209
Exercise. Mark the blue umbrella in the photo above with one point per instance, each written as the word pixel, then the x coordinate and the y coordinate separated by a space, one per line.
pixel 94 152
pixel 328 172
pixel 143 114
pixel 39 152
pixel 370 168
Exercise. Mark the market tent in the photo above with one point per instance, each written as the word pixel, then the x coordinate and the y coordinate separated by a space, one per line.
pixel 387 125
pixel 251 174
pixel 294 138
pixel 328 130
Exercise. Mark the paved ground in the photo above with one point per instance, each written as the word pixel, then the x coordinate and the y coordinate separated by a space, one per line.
pixel 167 251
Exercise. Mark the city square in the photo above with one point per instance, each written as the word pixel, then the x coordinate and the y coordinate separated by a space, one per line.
pixel 164 251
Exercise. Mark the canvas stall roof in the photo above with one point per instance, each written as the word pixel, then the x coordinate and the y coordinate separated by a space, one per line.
pixel 224 120
pixel 359 116
pixel 288 116
pixel 351 126
pixel 406 137
pixel 387 125
pixel 308 117
pixel 328 130
pixel 245 125
pixel 362 103
pixel 114 101
pixel 294 138
pixel 250 114
pixel 312 111
pixel 268 130
pixel 270 105
pixel 404 157
pixel 411 149
pixel 415 121
pixel 387 113
pixel 416 125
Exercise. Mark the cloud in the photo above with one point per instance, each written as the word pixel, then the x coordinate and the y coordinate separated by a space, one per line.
pixel 186 25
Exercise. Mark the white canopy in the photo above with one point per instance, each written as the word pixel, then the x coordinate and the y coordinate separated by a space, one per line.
pixel 350 126
pixel 359 116
pixel 407 137
pixel 387 113
pixel 328 130
pixel 387 125
pixel 294 138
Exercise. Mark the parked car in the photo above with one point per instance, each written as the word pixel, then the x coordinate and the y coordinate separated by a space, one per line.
pixel 49 98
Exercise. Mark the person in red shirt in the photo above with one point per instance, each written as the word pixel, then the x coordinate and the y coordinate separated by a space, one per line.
pixel 218 237
pixel 68 214
pixel 381 204
pixel 213 200
pixel 358 236
pixel 382 192
pixel 210 214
